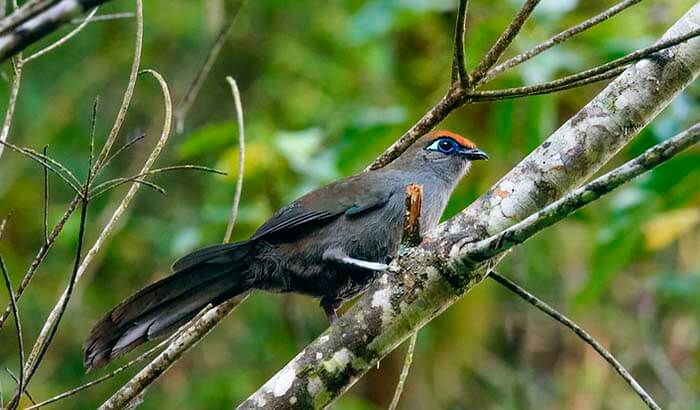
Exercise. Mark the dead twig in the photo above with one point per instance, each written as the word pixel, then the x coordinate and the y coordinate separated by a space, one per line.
pixel 201 76
pixel 18 324
pixel 560 38
pixel 200 327
pixel 554 314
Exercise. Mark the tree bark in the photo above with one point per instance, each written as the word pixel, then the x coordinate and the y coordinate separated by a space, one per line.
pixel 424 281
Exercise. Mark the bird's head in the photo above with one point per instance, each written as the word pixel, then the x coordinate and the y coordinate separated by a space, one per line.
pixel 446 153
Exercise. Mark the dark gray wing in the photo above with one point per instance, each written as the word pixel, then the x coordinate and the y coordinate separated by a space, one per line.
pixel 350 196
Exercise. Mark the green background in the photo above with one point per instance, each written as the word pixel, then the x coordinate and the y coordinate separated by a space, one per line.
pixel 326 86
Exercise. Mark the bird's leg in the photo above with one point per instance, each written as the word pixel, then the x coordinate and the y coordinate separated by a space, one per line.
pixel 339 256
pixel 330 307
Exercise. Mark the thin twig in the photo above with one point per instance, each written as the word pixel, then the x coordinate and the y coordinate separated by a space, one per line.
pixel 145 355
pixel 499 47
pixel 17 65
pixel 456 95
pixel 128 93
pixel 63 40
pixel 201 76
pixel 200 326
pixel 46 200
pixel 113 183
pixel 18 323
pixel 123 148
pixel 499 243
pixel 48 163
pixel 44 249
pixel 105 17
pixel 554 314
pixel 109 227
pixel 3 223
pixel 241 158
pixel 560 38
pixel 408 360
pixel 16 380
pixel 448 103
pixel 459 60
pixel 42 344
pixel 618 64
pixel 539 89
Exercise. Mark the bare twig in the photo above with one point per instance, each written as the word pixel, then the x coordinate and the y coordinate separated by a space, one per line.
pixel 18 324
pixel 42 344
pixel 64 39
pixel 456 97
pixel 3 224
pixel 105 17
pixel 192 93
pixel 113 183
pixel 518 233
pixel 109 227
pixel 554 314
pixel 499 47
pixel 241 158
pixel 46 200
pixel 16 380
pixel 48 163
pixel 128 93
pixel 200 327
pixel 604 71
pixel 145 355
pixel 408 360
pixel 123 148
pixel 560 38
pixel 459 61
pixel 448 103
pixel 545 88
pixel 17 65
pixel 44 249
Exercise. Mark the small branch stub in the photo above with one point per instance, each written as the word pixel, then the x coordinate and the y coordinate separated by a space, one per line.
pixel 411 227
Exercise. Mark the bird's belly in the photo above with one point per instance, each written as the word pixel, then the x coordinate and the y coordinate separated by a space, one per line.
pixel 301 268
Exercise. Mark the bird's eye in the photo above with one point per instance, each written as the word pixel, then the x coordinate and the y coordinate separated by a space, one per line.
pixel 446 146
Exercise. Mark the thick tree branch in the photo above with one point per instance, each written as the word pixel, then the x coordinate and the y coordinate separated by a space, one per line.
pixel 424 281
pixel 561 208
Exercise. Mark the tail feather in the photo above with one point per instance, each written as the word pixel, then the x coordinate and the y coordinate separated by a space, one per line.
pixel 162 307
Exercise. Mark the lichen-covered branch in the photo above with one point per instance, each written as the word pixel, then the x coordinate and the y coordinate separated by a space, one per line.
pixel 424 281
pixel 561 208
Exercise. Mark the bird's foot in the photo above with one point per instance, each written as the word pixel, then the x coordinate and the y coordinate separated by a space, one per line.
pixel 330 307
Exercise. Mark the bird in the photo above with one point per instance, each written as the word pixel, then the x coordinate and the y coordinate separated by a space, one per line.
pixel 328 244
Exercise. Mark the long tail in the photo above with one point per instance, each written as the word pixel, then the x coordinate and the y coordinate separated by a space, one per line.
pixel 210 275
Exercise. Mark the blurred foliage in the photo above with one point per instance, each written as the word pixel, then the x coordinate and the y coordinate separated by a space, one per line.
pixel 326 87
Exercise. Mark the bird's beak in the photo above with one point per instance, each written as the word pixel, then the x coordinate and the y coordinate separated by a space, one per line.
pixel 474 154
